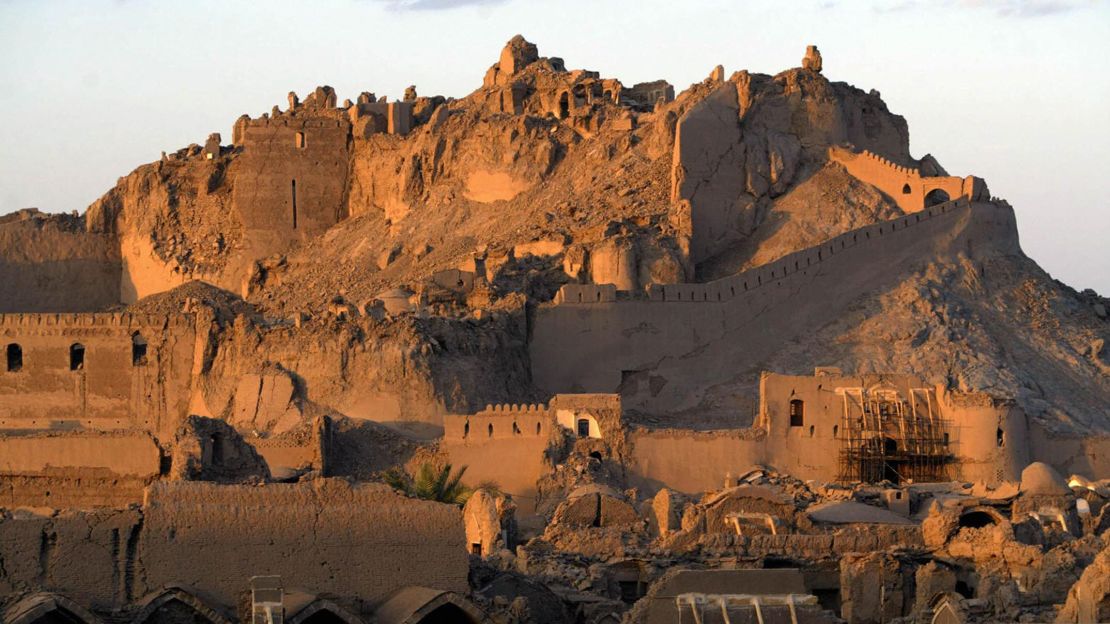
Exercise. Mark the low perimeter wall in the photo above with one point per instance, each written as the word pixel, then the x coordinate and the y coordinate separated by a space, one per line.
pixel 76 454
pixel 356 542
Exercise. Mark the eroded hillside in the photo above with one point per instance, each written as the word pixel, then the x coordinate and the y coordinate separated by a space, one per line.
pixel 394 259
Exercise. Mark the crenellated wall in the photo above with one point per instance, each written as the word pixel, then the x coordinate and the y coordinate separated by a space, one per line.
pixel 905 185
pixel 690 337
pixel 505 444
pixel 112 388
pixel 508 444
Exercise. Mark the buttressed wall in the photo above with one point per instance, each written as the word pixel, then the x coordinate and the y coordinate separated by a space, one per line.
pixel 95 371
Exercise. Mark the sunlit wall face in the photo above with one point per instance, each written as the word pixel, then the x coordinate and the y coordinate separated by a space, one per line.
pixel 1015 91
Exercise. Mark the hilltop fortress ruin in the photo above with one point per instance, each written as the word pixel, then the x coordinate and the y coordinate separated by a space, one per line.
pixel 728 351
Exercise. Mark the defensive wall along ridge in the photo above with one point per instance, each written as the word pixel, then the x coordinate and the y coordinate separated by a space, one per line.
pixel 587 341
pixel 911 190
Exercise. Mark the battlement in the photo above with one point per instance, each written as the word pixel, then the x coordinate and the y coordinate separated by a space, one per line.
pixel 512 409
pixel 501 421
pixel 905 185
pixel 586 293
pixel 737 285
pixel 909 171
pixel 296 122
pixel 94 320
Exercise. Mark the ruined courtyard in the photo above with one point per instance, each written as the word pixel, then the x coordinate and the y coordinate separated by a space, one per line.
pixel 722 354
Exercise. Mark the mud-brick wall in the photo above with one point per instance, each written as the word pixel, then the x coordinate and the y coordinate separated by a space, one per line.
pixel 290 180
pixel 691 461
pixel 360 541
pixel 513 463
pixel 49 267
pixel 126 455
pixel 110 389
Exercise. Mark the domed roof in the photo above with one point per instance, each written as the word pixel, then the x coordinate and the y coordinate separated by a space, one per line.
pixel 1039 478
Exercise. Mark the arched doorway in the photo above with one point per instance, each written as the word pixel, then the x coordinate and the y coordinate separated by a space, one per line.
pixel 936 196
pixel 977 519
pixel 177 606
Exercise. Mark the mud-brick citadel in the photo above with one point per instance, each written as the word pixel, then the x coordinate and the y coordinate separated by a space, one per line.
pixel 729 354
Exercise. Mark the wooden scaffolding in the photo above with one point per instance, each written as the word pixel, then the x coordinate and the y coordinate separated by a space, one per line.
pixel 884 436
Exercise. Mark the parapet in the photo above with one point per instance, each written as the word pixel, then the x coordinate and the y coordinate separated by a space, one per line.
pixel 508 410
pixel 95 319
pixel 844 156
pixel 496 422
pixel 727 288
pixel 586 293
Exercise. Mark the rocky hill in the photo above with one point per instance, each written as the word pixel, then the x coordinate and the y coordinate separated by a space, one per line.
pixel 348 242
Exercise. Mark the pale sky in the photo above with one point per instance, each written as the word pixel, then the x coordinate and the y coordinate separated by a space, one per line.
pixel 1014 91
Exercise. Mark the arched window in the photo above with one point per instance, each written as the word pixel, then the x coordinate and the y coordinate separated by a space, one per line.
pixel 516 429
pixel 466 429
pixel 15 357
pixel 797 413
pixel 583 427
pixel 537 428
pixel 76 356
pixel 300 142
pixel 564 105
pixel 138 349
pixel 490 429
pixel 906 190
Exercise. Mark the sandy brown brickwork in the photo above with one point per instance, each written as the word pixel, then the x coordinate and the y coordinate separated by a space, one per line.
pixel 361 542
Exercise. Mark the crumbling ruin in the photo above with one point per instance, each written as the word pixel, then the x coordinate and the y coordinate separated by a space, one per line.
pixel 730 354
